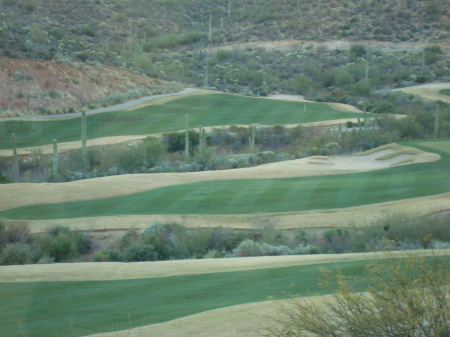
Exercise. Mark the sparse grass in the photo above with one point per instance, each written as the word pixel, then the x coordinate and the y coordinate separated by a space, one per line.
pixel 265 195
pixel 205 110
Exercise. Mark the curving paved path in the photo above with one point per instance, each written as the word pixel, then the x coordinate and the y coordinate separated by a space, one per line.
pixel 111 108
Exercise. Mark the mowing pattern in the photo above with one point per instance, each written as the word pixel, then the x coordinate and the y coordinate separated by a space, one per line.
pixel 248 196
pixel 82 308
pixel 205 110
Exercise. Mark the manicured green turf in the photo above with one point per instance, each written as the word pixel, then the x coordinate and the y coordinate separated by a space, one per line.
pixel 207 110
pixel 262 195
pixel 81 308
pixel 439 145
pixel 445 92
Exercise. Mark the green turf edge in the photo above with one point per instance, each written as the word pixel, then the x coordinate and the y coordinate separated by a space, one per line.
pixel 263 195
pixel 445 92
pixel 82 308
pixel 205 110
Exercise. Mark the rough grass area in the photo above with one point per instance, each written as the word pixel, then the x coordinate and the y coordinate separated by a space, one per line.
pixel 29 194
pixel 82 308
pixel 205 110
pixel 364 215
pixel 249 196
pixel 430 91
pixel 115 271
pixel 245 320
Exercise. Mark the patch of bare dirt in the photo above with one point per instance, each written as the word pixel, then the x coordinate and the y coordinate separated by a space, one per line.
pixel 61 87
pixel 335 44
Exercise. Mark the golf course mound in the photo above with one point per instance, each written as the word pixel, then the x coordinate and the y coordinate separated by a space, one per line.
pixel 106 187
pixel 429 91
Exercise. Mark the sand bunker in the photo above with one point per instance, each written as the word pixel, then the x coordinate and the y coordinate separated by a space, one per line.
pixel 91 189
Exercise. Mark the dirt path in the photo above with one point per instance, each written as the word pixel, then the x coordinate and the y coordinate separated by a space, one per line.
pixel 335 44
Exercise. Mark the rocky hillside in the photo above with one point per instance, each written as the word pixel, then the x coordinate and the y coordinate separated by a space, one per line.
pixel 44 87
pixel 57 56
pixel 102 30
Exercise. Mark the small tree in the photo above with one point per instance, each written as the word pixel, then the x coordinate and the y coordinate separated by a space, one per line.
pixel 404 297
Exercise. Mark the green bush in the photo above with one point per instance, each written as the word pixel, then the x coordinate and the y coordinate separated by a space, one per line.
pixel 59 243
pixel 139 252
pixel 15 253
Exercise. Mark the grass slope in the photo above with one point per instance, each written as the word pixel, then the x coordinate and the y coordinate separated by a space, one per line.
pixel 445 92
pixel 205 110
pixel 81 308
pixel 262 195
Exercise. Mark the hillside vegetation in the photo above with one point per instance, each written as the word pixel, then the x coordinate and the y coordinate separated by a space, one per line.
pixel 205 44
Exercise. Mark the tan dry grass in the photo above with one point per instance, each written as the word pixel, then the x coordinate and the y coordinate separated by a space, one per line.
pixel 339 217
pixel 30 194
pixel 244 320
pixel 430 91
pixel 109 271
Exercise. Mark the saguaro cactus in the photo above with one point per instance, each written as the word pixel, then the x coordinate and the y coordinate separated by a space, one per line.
pixel 339 137
pixel 200 138
pixel 437 118
pixel 206 77
pixel 252 139
pixel 366 75
pixel 16 173
pixel 210 26
pixel 55 157
pixel 186 144
pixel 83 140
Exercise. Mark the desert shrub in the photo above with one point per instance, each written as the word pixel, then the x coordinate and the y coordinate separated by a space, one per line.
pixel 15 233
pixel 18 76
pixel 225 239
pixel 59 243
pixel 138 252
pixel 399 297
pixel 336 240
pixel 15 253
pixel 357 50
pixel 169 240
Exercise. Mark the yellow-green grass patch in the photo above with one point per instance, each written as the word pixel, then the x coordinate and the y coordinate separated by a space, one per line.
pixel 243 320
pixel 431 91
pixel 98 271
pixel 443 146
pixel 339 217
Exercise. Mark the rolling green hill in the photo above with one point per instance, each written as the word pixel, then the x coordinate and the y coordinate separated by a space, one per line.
pixel 262 195
pixel 205 110
pixel 81 308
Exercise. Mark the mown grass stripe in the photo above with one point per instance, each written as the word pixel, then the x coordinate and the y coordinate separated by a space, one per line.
pixel 206 110
pixel 81 308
